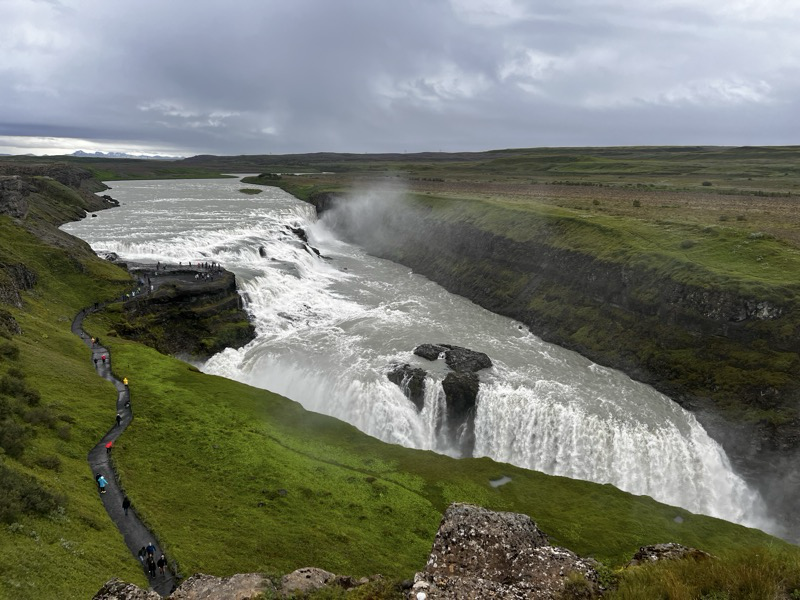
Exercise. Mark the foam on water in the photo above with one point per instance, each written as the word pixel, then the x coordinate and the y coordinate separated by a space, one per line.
pixel 329 328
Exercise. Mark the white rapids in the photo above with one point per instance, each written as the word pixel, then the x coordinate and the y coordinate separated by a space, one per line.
pixel 329 326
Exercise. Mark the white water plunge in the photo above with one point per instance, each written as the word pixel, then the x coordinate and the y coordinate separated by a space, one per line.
pixel 329 327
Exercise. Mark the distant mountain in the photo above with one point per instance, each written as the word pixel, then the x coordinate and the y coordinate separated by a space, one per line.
pixel 82 154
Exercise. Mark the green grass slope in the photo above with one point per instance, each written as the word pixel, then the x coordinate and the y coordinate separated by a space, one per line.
pixel 66 548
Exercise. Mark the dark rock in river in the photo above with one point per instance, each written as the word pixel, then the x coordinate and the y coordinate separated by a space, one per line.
pixel 457 358
pixel 300 232
pixel 412 381
pixel 479 553
pixel 262 252
pixel 461 393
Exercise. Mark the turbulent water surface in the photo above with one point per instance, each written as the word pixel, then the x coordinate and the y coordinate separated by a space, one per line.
pixel 329 326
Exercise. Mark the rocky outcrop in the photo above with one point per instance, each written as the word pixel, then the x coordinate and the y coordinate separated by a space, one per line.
pixel 116 589
pixel 13 194
pixel 14 279
pixel 197 587
pixel 669 551
pixel 236 587
pixel 187 316
pixel 478 553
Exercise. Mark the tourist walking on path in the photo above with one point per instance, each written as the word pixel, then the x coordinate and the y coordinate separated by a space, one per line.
pixel 119 419
pixel 151 566
pixel 142 554
pixel 109 445
pixel 126 504
pixel 151 549
pixel 101 484
pixel 162 564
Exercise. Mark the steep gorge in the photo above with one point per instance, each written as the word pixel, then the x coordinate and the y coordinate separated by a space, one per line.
pixel 725 351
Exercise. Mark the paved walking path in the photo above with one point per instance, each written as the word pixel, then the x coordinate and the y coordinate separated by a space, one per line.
pixel 134 532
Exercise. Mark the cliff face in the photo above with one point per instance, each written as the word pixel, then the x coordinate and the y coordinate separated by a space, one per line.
pixel 731 356
pixel 185 316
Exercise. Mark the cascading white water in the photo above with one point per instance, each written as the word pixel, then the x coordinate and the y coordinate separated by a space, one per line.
pixel 328 329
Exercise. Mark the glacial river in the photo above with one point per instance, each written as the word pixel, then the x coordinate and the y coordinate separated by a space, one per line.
pixel 328 328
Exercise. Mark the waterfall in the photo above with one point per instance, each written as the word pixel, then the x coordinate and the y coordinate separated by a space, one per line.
pixel 329 327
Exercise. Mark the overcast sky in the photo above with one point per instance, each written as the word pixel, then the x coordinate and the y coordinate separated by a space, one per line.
pixel 185 77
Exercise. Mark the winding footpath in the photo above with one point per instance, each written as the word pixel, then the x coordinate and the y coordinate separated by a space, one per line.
pixel 134 532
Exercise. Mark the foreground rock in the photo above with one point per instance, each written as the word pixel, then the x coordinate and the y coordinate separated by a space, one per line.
pixel 197 587
pixel 478 553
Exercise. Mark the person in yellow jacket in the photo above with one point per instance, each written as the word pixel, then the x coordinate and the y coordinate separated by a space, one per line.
pixel 125 381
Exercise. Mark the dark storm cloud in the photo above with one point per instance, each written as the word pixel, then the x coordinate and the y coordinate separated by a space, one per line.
pixel 254 76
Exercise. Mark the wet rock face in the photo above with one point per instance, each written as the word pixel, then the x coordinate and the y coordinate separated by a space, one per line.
pixel 479 553
pixel 412 381
pixel 461 393
pixel 460 388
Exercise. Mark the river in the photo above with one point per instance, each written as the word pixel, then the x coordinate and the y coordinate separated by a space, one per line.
pixel 329 327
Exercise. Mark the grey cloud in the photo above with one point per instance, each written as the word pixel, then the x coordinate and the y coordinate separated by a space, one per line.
pixel 365 75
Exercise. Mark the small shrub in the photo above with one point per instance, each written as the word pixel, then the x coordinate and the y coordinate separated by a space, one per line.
pixel 686 244
pixel 707 183
pixel 724 218
pixel 64 432
pixel 741 218
pixel 637 203
pixel 40 415
pixel 577 587
pixel 23 494
pixel 51 462
pixel 13 438
pixel 596 202
pixel 8 350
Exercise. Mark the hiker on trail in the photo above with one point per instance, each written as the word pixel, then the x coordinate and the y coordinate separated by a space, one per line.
pixel 119 419
pixel 95 362
pixel 142 554
pixel 125 381
pixel 109 445
pixel 151 566
pixel 102 483
pixel 103 358
pixel 93 340
pixel 162 564
pixel 127 403
pixel 151 549
pixel 126 504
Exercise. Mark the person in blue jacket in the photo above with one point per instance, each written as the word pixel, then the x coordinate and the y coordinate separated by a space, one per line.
pixel 102 483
